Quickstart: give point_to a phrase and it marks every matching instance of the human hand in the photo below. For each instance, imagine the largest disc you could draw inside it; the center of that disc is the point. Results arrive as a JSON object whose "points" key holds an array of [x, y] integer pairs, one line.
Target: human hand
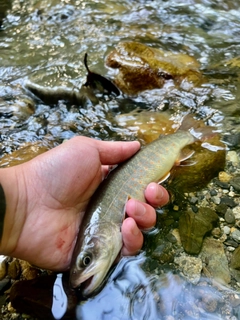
{"points": [[53, 191]]}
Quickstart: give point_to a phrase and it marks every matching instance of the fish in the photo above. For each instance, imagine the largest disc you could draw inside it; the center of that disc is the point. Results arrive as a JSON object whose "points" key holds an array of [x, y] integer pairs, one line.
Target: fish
{"points": [[53, 95], [97, 81], [99, 240]]}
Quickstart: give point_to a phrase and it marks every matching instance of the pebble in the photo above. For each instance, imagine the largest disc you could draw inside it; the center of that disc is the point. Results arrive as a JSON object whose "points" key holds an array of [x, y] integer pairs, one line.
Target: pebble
{"points": [[10, 308], [213, 192], [236, 212], [221, 184], [14, 269], [216, 199], [229, 248], [236, 235], [171, 238], [193, 200], [221, 208], [235, 183], [224, 176], [231, 243], [226, 230], [223, 238], [233, 157], [176, 235], [194, 208], [231, 194], [237, 224], [190, 267], [229, 217], [228, 201], [216, 232]]}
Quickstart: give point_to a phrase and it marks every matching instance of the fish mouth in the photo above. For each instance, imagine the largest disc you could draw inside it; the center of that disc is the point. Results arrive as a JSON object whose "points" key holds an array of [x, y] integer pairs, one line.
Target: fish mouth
{"points": [[86, 286], [78, 280]]}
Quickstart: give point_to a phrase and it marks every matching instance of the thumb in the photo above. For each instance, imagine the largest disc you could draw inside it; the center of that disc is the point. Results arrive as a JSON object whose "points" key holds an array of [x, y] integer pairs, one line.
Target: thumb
{"points": [[115, 152]]}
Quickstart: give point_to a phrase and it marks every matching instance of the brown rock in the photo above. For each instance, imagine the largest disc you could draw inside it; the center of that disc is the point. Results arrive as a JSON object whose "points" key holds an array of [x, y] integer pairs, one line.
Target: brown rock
{"points": [[142, 67], [14, 269], [28, 271], [217, 264], [194, 226], [235, 261], [203, 166], [25, 153]]}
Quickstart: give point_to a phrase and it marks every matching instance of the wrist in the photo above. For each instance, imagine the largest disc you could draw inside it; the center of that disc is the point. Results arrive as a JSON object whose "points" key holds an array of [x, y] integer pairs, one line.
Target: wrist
{"points": [[12, 183]]}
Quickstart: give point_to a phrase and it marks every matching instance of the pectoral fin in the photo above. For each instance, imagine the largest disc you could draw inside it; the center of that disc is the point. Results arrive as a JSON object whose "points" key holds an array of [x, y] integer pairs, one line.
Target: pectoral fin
{"points": [[164, 178], [184, 155]]}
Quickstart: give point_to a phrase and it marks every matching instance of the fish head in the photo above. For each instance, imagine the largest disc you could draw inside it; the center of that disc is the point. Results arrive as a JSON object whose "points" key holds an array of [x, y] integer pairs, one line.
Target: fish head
{"points": [[93, 259]]}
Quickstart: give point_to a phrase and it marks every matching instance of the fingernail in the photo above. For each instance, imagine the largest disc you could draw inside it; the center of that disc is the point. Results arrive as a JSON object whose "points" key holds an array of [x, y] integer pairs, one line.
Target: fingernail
{"points": [[140, 209], [157, 192]]}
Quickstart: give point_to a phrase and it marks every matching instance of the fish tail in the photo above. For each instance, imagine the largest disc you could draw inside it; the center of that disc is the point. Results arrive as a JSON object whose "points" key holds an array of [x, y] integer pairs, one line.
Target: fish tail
{"points": [[198, 129], [85, 63]]}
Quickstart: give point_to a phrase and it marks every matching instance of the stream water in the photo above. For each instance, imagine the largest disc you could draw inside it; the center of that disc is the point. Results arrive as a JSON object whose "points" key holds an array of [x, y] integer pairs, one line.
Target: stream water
{"points": [[44, 41]]}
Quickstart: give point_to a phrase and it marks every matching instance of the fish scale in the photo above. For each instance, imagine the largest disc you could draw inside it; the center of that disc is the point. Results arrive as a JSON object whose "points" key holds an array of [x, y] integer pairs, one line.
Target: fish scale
{"points": [[99, 240]]}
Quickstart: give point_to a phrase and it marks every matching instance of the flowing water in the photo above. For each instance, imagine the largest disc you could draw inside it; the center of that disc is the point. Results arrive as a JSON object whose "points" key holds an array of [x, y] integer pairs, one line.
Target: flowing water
{"points": [[45, 41]]}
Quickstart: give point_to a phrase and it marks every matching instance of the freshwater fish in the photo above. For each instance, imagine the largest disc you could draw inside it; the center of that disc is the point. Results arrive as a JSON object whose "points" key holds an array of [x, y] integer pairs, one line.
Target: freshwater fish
{"points": [[96, 81], [99, 240]]}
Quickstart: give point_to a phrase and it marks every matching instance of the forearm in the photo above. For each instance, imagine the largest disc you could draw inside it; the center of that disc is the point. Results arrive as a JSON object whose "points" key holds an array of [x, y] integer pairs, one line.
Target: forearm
{"points": [[11, 218]]}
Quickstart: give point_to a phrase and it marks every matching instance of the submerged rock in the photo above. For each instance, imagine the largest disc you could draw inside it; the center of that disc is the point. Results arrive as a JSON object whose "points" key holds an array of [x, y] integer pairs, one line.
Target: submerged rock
{"points": [[14, 269], [208, 159], [235, 182], [235, 260], [216, 262], [147, 125], [194, 226], [190, 267], [142, 67], [25, 153]]}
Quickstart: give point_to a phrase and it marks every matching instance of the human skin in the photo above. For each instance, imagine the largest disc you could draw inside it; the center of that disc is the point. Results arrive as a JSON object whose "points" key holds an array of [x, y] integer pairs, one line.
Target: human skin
{"points": [[47, 196]]}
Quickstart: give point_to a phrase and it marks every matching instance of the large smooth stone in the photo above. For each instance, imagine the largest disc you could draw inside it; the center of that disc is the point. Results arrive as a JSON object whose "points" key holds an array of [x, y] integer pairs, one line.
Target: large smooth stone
{"points": [[194, 226], [142, 67]]}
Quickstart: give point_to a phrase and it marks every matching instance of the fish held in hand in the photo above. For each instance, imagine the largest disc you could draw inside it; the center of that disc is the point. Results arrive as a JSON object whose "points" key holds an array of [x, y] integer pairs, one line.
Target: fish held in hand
{"points": [[99, 240]]}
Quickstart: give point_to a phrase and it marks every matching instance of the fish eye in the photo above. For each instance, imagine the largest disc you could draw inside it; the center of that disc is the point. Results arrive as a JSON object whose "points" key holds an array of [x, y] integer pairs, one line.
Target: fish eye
{"points": [[86, 260]]}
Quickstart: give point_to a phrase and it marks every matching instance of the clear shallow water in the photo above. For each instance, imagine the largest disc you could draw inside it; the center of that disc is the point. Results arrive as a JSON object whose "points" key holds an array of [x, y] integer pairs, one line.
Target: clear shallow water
{"points": [[45, 41], [131, 294]]}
